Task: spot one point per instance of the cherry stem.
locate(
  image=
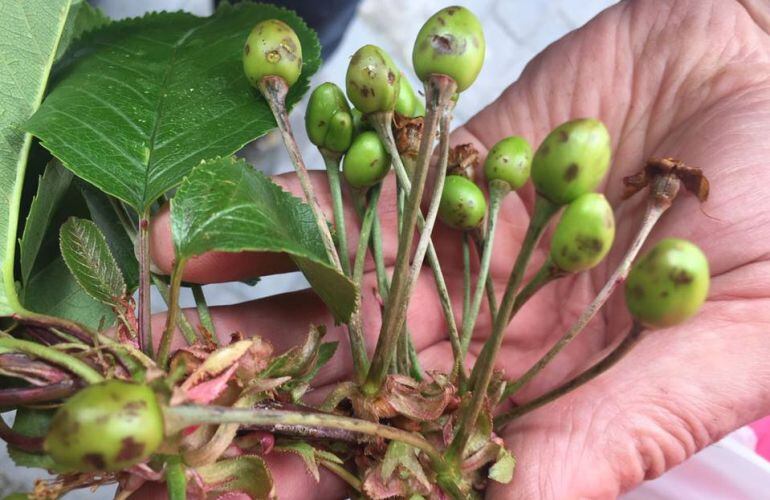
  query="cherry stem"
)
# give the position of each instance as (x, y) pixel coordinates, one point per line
(184, 325)
(497, 191)
(332, 161)
(71, 363)
(14, 396)
(381, 123)
(367, 221)
(29, 444)
(478, 241)
(660, 199)
(121, 212)
(274, 89)
(204, 314)
(145, 309)
(543, 212)
(548, 272)
(466, 252)
(179, 417)
(176, 479)
(439, 90)
(383, 284)
(173, 312)
(342, 473)
(631, 338)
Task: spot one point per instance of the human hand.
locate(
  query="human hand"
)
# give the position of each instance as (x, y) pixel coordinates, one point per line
(683, 79)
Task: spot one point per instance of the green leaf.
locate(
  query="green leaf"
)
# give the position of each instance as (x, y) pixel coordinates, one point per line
(85, 251)
(404, 457)
(225, 205)
(299, 385)
(142, 101)
(53, 185)
(49, 288)
(502, 470)
(54, 291)
(248, 474)
(103, 213)
(82, 18)
(29, 34)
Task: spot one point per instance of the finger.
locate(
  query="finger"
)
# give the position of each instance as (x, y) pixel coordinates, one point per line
(283, 320)
(218, 267)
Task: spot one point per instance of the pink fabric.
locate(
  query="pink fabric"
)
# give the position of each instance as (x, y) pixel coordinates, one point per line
(762, 429)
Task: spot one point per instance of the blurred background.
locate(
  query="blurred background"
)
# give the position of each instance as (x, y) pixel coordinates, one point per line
(516, 30)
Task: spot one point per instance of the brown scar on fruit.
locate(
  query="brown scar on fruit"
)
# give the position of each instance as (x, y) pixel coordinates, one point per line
(95, 460)
(571, 172)
(692, 178)
(680, 277)
(129, 450)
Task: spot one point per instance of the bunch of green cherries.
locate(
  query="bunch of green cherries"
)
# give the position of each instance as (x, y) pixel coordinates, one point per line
(665, 287)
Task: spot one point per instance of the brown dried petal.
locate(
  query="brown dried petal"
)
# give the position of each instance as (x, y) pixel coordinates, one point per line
(463, 160)
(408, 134)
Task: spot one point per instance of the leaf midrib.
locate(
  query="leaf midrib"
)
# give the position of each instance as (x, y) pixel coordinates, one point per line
(161, 106)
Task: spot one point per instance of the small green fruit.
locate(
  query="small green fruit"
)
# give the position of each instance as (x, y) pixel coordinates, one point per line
(572, 160)
(408, 102)
(328, 121)
(463, 205)
(584, 233)
(106, 427)
(668, 285)
(372, 81)
(450, 43)
(272, 49)
(367, 161)
(509, 160)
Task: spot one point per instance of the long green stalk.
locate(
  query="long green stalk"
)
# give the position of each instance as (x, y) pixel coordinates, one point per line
(204, 315)
(173, 312)
(543, 212)
(332, 161)
(145, 308)
(64, 360)
(382, 125)
(497, 191)
(438, 93)
(602, 366)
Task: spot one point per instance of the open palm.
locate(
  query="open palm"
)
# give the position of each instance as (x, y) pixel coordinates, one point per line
(686, 79)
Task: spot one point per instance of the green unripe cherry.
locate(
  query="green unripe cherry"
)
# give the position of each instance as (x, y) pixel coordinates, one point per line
(272, 49)
(408, 103)
(367, 161)
(328, 121)
(373, 80)
(509, 160)
(668, 285)
(463, 204)
(584, 233)
(450, 43)
(572, 160)
(106, 427)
